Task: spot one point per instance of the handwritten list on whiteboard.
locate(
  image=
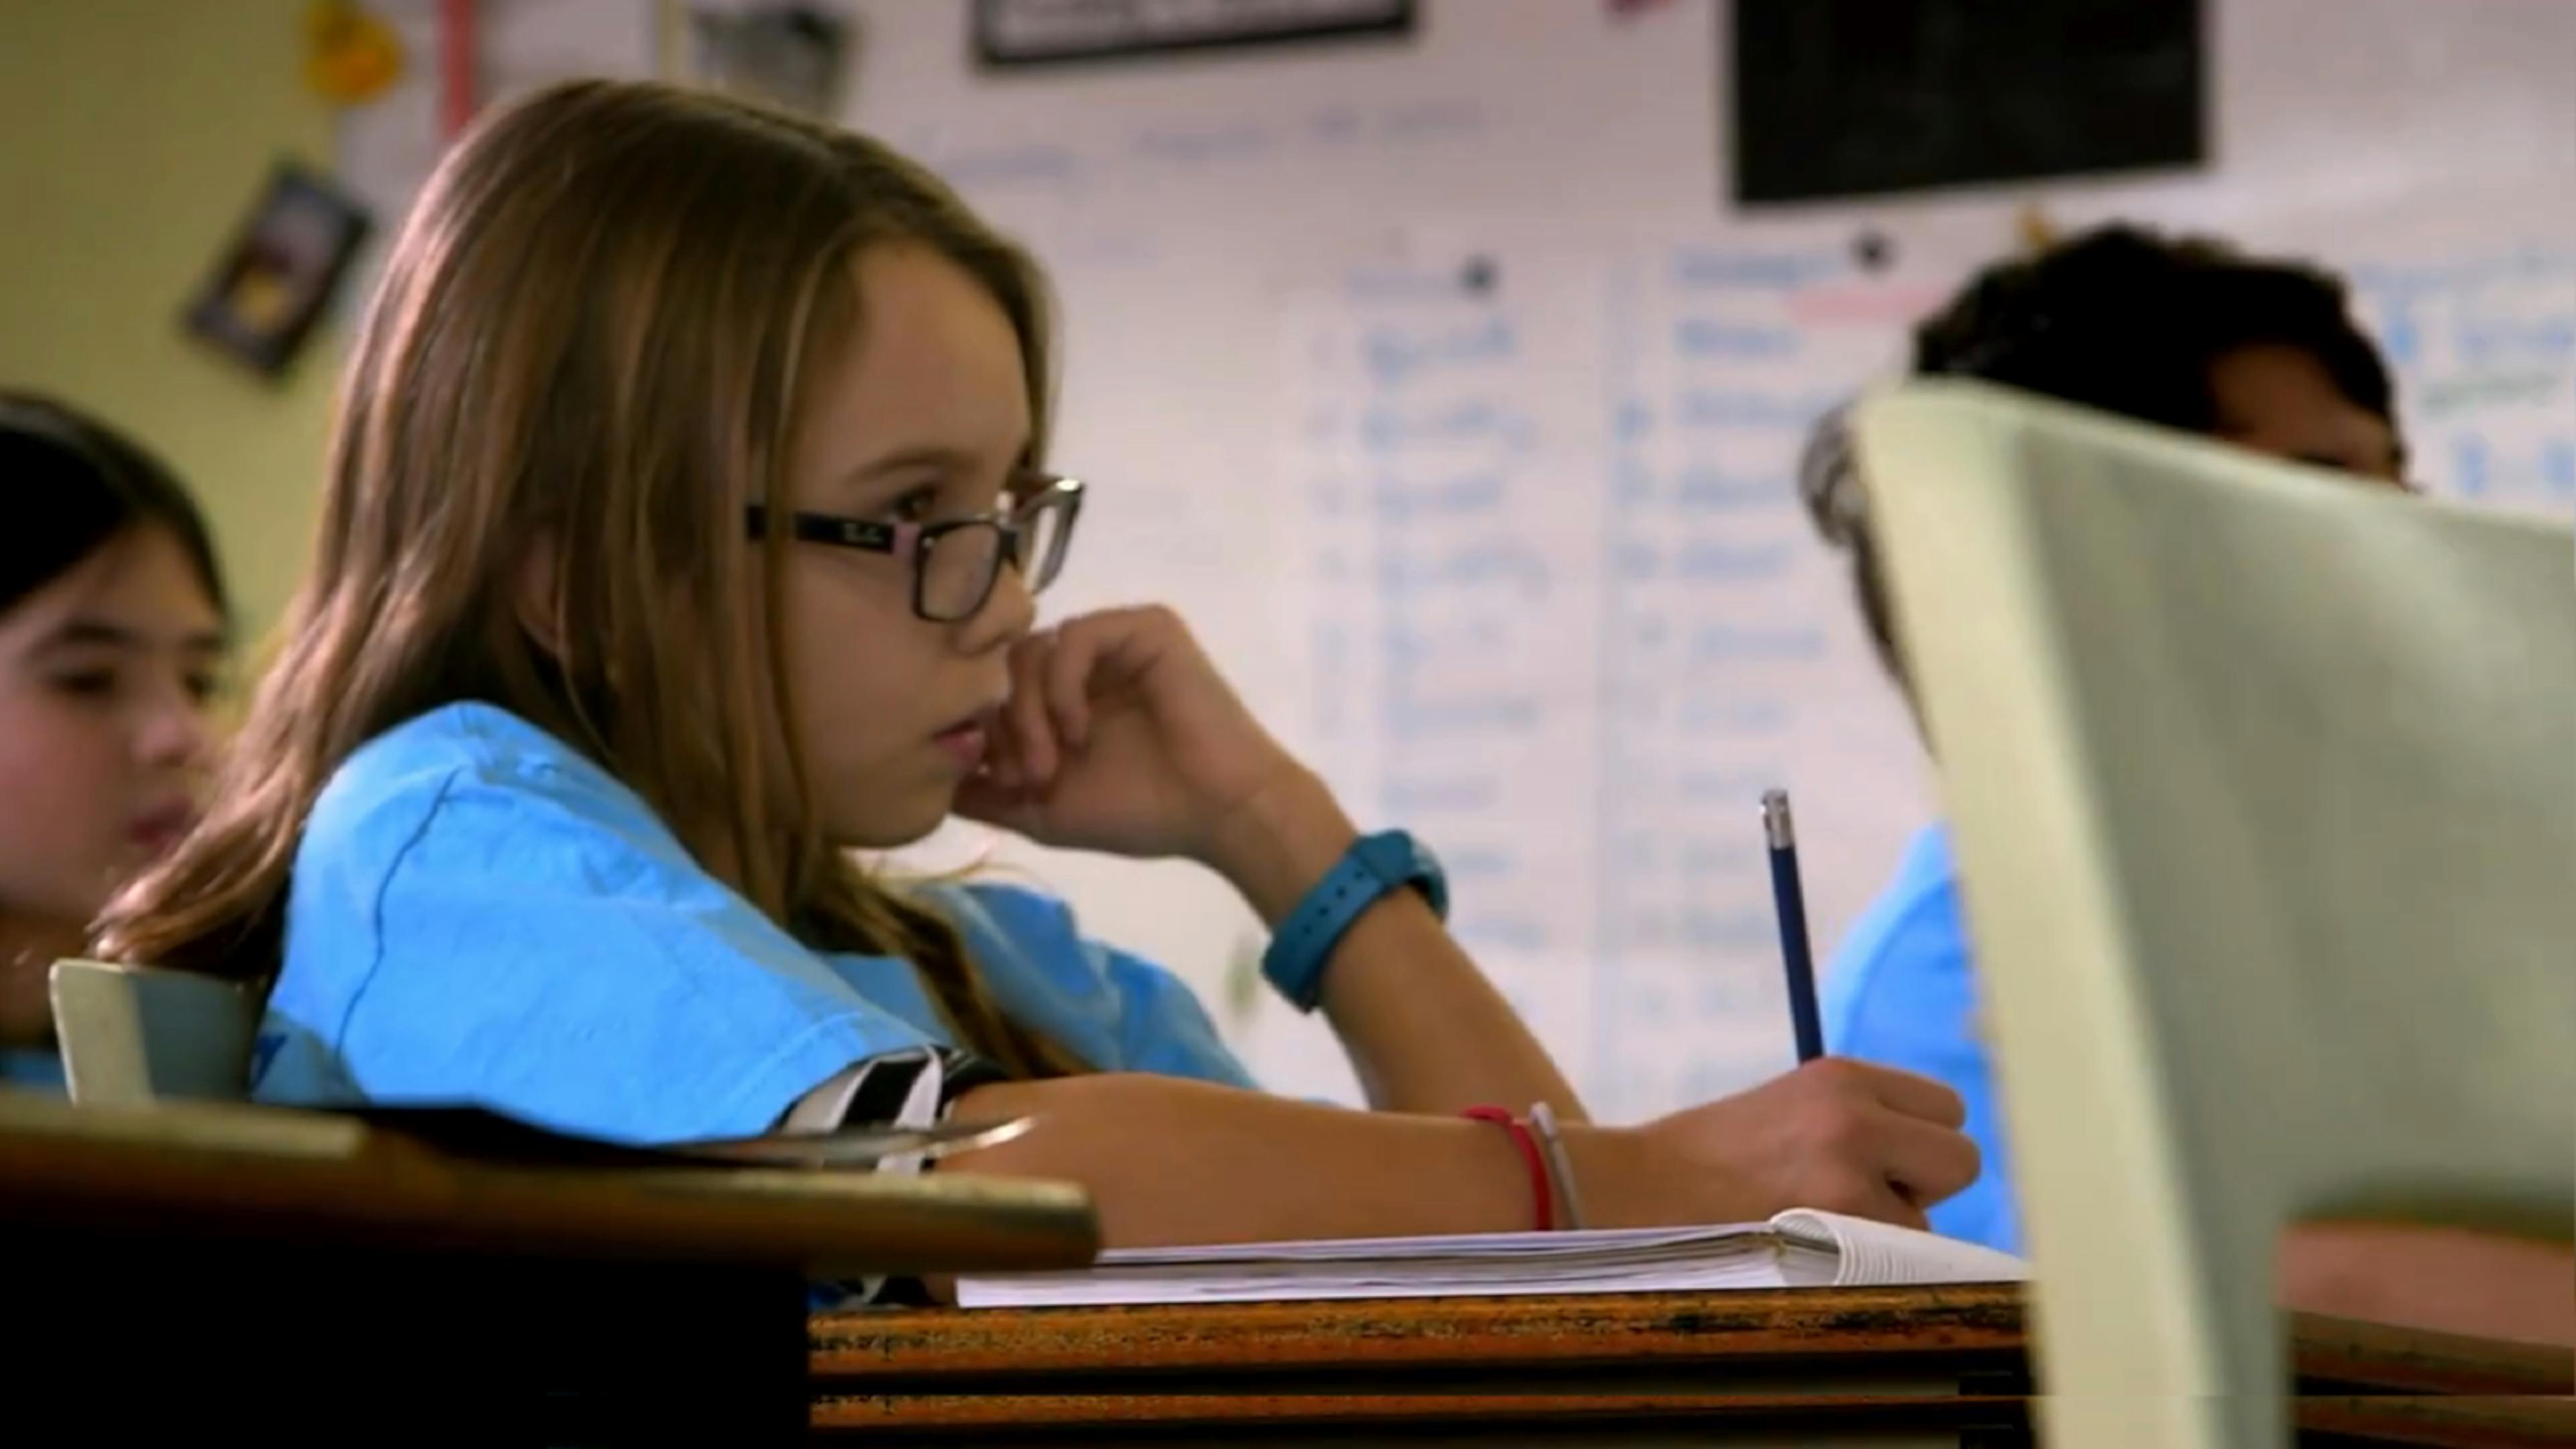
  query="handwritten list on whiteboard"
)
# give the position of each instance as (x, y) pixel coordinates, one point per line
(1450, 559)
(1564, 620)
(1728, 653)
(2484, 350)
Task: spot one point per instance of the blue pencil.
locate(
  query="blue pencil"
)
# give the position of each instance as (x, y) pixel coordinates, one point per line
(1789, 901)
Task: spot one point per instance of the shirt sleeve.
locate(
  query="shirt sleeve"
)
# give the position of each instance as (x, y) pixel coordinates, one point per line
(1914, 1007)
(1116, 1011)
(543, 948)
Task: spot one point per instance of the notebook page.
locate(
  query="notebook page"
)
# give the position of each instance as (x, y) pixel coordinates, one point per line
(1797, 1249)
(1862, 1253)
(1629, 1260)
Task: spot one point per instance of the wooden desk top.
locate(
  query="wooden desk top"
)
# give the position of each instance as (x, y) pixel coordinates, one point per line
(1937, 1355)
(243, 1172)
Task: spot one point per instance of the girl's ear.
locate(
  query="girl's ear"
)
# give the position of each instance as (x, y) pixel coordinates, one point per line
(537, 592)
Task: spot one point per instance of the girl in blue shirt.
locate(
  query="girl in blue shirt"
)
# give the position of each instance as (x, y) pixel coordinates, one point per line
(112, 638)
(2192, 335)
(681, 534)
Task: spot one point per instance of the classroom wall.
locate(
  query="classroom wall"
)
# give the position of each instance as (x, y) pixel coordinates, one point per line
(137, 133)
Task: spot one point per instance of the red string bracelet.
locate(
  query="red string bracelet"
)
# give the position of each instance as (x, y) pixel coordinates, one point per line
(1542, 1187)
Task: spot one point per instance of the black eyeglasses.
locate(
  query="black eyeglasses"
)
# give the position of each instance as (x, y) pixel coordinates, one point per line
(957, 561)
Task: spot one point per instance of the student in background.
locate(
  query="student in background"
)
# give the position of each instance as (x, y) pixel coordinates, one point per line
(2192, 335)
(680, 537)
(112, 640)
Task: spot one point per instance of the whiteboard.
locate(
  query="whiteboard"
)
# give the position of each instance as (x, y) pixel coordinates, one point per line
(1517, 566)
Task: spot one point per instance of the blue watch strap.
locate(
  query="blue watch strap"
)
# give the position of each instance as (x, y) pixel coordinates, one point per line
(1373, 866)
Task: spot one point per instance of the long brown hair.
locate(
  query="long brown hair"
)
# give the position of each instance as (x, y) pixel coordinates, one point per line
(591, 331)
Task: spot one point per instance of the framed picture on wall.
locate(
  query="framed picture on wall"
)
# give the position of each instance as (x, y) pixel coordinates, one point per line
(1015, 33)
(272, 283)
(793, 56)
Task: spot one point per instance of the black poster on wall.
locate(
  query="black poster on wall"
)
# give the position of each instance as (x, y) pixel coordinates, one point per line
(1837, 98)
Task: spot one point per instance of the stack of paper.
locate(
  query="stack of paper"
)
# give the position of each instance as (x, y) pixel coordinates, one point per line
(1799, 1249)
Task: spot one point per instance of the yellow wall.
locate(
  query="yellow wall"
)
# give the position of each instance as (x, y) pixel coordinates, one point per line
(133, 136)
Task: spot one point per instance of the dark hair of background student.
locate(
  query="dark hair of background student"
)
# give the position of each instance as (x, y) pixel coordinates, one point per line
(2184, 332)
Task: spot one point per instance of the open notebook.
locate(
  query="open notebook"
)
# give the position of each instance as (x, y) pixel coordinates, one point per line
(1802, 1248)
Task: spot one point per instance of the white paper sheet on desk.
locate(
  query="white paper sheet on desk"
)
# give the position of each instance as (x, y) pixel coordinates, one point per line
(1803, 1248)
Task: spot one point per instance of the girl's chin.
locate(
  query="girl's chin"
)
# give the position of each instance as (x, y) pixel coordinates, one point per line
(879, 832)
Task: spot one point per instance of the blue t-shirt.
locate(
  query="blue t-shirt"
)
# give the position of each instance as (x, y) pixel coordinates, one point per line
(32, 1069)
(480, 914)
(1902, 993)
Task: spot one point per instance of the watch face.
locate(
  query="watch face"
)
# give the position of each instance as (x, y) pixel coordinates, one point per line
(1398, 859)
(1389, 856)
(1424, 862)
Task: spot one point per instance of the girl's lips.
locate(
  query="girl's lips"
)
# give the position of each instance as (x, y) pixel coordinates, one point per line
(966, 743)
(158, 830)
